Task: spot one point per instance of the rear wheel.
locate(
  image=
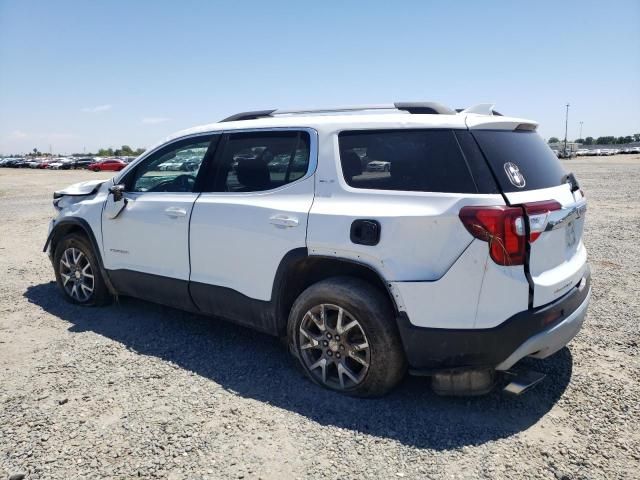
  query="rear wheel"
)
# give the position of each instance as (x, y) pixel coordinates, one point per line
(343, 333)
(77, 272)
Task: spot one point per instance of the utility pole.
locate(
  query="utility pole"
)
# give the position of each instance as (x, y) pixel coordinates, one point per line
(580, 130)
(566, 126)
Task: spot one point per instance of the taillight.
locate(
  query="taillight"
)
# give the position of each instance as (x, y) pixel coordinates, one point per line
(504, 228)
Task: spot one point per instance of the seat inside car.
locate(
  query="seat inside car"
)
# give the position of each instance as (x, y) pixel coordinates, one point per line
(253, 174)
(352, 165)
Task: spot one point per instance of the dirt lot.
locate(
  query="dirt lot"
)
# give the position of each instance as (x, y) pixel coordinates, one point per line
(137, 390)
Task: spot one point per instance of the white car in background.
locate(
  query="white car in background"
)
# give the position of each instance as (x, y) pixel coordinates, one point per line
(61, 163)
(378, 166)
(464, 259)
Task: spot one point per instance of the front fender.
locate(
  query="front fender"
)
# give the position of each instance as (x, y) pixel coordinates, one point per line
(70, 224)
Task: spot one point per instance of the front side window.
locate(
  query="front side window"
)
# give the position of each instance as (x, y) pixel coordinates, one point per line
(173, 168)
(259, 161)
(405, 160)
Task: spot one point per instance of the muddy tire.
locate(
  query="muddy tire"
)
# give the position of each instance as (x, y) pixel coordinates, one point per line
(343, 333)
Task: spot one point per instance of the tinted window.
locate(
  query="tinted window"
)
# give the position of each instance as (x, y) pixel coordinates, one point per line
(173, 168)
(409, 160)
(508, 151)
(477, 164)
(258, 161)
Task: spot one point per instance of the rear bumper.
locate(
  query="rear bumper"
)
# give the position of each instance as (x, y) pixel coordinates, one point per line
(537, 332)
(549, 341)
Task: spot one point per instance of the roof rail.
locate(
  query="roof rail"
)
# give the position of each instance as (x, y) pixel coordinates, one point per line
(431, 108)
(249, 115)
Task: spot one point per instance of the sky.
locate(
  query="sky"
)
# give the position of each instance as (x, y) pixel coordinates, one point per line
(80, 75)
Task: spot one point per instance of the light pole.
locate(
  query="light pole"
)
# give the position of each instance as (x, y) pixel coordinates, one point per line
(566, 126)
(580, 130)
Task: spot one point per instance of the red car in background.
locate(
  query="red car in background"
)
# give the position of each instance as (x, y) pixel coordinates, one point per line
(45, 163)
(109, 164)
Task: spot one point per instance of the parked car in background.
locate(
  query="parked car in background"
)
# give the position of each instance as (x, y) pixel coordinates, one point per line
(61, 164)
(110, 164)
(378, 166)
(82, 162)
(582, 151)
(45, 163)
(34, 163)
(18, 163)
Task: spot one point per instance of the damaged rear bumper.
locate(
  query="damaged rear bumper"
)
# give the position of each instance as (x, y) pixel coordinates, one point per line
(537, 332)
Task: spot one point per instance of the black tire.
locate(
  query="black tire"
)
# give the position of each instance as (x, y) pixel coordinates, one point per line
(100, 293)
(374, 314)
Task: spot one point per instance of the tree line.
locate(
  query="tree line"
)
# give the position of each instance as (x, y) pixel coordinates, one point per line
(610, 140)
(124, 151)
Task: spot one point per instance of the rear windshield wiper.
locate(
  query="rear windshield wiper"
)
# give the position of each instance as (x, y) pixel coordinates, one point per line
(570, 178)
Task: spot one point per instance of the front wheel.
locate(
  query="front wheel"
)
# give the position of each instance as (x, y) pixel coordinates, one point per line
(78, 273)
(342, 331)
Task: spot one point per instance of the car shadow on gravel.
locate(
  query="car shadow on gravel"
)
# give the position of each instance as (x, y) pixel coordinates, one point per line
(258, 366)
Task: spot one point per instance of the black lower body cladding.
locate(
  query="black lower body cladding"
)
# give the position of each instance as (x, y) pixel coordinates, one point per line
(430, 350)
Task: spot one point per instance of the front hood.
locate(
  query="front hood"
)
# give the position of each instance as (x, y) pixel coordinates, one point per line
(78, 189)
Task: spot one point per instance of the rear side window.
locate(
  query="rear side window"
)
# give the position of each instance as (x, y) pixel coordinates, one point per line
(520, 160)
(405, 160)
(258, 161)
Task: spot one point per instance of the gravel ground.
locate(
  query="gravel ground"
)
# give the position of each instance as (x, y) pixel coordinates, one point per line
(138, 390)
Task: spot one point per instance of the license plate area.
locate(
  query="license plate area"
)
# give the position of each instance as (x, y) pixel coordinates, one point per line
(571, 237)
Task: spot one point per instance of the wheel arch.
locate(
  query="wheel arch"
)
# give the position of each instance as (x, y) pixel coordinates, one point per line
(298, 270)
(69, 225)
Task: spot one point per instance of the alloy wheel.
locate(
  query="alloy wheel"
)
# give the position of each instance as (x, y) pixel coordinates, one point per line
(76, 274)
(334, 347)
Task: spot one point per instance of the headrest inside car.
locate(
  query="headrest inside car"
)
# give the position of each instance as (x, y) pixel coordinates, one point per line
(351, 163)
(254, 174)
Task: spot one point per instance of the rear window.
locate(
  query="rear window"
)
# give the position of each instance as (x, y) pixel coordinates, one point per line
(520, 160)
(405, 160)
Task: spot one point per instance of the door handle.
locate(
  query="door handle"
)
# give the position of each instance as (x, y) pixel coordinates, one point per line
(284, 221)
(175, 212)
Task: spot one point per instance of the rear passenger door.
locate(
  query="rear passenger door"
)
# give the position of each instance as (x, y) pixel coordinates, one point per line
(252, 214)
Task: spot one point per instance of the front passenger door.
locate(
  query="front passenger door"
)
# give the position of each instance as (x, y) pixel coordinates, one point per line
(146, 237)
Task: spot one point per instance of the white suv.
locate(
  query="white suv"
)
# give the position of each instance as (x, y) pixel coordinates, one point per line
(374, 238)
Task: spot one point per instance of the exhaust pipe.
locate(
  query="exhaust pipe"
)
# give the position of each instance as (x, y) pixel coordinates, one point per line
(523, 381)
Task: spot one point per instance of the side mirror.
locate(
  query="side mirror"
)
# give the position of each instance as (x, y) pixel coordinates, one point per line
(117, 191)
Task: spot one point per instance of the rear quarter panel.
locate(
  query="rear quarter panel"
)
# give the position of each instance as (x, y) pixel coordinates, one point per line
(421, 234)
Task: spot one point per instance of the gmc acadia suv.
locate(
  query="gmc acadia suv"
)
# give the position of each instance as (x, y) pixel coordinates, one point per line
(375, 239)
